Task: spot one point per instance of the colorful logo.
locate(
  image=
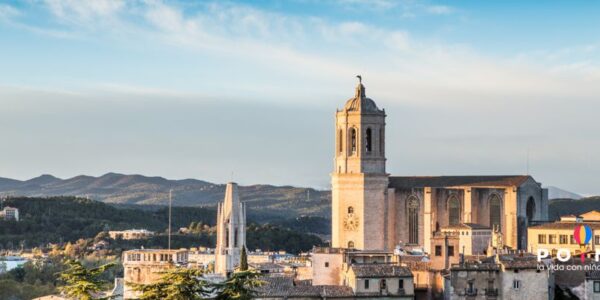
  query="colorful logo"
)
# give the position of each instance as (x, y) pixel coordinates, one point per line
(582, 235)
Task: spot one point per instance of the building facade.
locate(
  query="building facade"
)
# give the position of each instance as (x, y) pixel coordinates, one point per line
(372, 210)
(145, 266)
(560, 234)
(131, 234)
(10, 214)
(231, 231)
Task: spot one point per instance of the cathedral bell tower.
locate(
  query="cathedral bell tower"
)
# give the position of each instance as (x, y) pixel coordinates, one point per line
(359, 181)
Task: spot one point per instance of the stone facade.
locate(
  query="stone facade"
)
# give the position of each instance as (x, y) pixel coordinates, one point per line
(374, 211)
(145, 266)
(231, 231)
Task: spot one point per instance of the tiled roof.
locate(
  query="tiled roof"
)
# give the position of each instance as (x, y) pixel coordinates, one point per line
(518, 262)
(380, 270)
(283, 286)
(564, 225)
(447, 181)
(467, 226)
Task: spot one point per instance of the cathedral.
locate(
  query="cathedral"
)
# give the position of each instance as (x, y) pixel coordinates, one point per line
(372, 210)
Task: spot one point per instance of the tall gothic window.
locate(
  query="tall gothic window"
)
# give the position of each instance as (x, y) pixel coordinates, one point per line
(340, 142)
(530, 211)
(453, 210)
(413, 220)
(495, 211)
(368, 140)
(353, 140)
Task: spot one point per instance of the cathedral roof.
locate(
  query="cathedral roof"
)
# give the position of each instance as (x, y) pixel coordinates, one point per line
(448, 181)
(360, 102)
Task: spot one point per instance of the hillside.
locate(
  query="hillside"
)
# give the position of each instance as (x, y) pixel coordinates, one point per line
(62, 219)
(561, 207)
(286, 201)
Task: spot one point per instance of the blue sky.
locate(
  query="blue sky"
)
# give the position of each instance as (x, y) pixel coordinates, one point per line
(203, 89)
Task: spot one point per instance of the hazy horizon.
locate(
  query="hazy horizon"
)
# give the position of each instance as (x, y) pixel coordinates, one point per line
(201, 90)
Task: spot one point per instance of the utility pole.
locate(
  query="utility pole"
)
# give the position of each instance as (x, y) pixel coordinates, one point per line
(170, 204)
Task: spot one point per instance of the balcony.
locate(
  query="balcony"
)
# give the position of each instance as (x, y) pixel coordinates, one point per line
(491, 292)
(470, 292)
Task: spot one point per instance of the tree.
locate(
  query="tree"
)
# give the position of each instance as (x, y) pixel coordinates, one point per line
(243, 260)
(240, 286)
(82, 283)
(176, 284)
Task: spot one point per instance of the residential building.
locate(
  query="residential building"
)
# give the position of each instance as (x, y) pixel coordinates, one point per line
(560, 234)
(473, 239)
(504, 276)
(10, 214)
(144, 266)
(130, 234)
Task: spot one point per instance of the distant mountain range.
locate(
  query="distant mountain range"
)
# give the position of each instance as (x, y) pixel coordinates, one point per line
(264, 200)
(116, 188)
(557, 193)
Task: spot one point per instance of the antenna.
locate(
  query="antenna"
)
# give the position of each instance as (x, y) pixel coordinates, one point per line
(170, 204)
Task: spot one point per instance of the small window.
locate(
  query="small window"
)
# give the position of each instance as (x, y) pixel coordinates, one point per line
(597, 239)
(350, 210)
(353, 141)
(340, 142)
(369, 139)
(450, 250)
(401, 283)
(438, 250)
(366, 284)
(326, 264)
(572, 240)
(516, 284)
(383, 284)
(541, 238)
(351, 244)
(596, 287)
(563, 239)
(552, 238)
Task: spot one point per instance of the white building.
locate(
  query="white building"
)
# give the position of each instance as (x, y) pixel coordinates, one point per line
(131, 234)
(10, 213)
(231, 231)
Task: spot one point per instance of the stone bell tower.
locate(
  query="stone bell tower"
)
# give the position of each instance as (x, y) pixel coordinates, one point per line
(231, 231)
(359, 181)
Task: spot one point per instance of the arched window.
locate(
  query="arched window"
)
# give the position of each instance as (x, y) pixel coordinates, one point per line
(340, 141)
(495, 211)
(413, 220)
(350, 210)
(453, 210)
(352, 141)
(350, 244)
(530, 211)
(368, 140)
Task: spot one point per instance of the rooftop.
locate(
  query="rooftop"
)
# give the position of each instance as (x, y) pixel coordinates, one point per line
(564, 225)
(380, 270)
(284, 286)
(468, 226)
(448, 181)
